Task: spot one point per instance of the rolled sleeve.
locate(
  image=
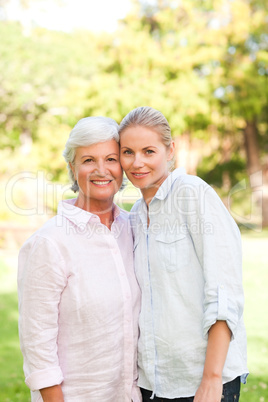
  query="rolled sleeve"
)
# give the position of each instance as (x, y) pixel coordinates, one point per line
(44, 378)
(220, 310)
(41, 281)
(219, 253)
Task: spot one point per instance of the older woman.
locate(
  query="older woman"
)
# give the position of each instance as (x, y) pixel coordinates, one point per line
(78, 296)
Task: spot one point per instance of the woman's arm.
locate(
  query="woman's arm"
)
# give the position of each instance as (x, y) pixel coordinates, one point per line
(210, 389)
(218, 249)
(52, 394)
(41, 281)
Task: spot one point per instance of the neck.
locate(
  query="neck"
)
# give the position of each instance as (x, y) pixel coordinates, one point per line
(146, 198)
(103, 209)
(148, 193)
(106, 218)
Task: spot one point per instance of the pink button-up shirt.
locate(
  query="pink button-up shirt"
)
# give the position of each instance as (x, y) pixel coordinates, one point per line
(79, 304)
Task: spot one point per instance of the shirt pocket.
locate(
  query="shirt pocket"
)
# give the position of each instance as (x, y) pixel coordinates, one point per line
(173, 250)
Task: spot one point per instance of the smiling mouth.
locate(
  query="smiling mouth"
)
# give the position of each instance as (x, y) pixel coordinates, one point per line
(139, 175)
(101, 182)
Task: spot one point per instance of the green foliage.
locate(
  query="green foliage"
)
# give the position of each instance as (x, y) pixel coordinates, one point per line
(12, 387)
(204, 64)
(211, 170)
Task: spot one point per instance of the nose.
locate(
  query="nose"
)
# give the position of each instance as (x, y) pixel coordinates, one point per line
(101, 168)
(138, 161)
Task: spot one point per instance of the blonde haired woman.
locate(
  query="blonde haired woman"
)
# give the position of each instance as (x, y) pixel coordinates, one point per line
(192, 344)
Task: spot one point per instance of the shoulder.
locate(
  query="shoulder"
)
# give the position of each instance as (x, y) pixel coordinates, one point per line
(189, 186)
(122, 214)
(44, 251)
(189, 180)
(135, 211)
(190, 193)
(47, 233)
(136, 207)
(122, 221)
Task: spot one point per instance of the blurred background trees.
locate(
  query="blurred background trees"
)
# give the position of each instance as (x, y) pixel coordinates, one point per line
(203, 63)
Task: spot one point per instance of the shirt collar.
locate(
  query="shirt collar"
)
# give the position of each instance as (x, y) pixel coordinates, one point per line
(162, 192)
(77, 215)
(165, 187)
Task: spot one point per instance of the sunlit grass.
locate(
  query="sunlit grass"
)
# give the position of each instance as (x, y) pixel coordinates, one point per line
(12, 387)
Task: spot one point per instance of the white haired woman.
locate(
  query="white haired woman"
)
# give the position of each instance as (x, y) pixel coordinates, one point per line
(78, 297)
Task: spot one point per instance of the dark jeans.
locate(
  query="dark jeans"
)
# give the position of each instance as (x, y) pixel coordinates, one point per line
(231, 392)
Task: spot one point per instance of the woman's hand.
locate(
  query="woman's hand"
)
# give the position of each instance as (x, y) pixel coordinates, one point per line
(52, 394)
(210, 390)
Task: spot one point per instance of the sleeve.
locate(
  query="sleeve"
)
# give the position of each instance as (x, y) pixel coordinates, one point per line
(136, 393)
(41, 280)
(217, 243)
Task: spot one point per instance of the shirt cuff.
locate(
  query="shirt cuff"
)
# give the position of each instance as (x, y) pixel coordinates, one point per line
(44, 378)
(220, 310)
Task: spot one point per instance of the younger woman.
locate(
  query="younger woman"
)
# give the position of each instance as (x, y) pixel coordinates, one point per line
(192, 344)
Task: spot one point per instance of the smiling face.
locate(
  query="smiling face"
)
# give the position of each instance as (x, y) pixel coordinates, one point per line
(98, 173)
(145, 159)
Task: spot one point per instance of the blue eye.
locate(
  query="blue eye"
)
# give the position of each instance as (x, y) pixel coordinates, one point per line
(127, 152)
(149, 151)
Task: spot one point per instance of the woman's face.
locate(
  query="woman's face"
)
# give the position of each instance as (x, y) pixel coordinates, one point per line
(144, 158)
(98, 173)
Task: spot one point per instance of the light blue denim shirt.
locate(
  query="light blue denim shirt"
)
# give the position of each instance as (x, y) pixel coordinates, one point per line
(189, 267)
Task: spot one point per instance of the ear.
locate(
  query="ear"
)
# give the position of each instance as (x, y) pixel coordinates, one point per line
(171, 150)
(73, 169)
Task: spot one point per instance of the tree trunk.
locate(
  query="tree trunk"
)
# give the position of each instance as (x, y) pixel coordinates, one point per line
(258, 174)
(252, 147)
(265, 197)
(226, 180)
(186, 154)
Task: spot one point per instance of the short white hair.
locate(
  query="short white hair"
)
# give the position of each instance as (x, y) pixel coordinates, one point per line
(88, 131)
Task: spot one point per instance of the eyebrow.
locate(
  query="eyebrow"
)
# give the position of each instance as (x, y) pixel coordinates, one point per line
(91, 156)
(148, 146)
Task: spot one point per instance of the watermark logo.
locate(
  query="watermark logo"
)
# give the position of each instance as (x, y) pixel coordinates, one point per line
(244, 200)
(38, 191)
(251, 194)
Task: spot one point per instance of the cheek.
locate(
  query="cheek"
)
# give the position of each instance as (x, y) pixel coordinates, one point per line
(82, 173)
(120, 175)
(124, 162)
(118, 172)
